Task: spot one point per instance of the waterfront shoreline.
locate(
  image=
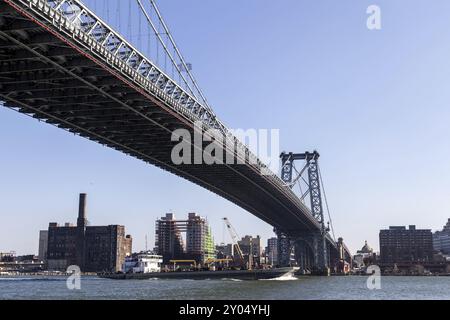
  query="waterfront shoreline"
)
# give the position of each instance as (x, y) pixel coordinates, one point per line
(303, 276)
(299, 288)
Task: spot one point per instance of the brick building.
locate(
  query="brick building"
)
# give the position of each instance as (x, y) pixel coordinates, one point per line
(401, 245)
(92, 248)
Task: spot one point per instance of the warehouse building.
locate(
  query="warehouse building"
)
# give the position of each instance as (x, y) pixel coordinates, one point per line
(92, 248)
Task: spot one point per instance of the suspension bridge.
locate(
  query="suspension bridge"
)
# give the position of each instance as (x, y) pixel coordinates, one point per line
(63, 64)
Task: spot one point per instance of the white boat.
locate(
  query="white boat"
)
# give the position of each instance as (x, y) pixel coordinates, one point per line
(142, 263)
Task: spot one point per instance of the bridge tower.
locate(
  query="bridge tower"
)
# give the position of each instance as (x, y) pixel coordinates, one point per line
(315, 242)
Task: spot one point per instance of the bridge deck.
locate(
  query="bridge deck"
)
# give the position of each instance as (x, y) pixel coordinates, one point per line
(51, 76)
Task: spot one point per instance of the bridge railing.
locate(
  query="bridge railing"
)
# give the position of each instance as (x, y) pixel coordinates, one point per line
(78, 19)
(81, 25)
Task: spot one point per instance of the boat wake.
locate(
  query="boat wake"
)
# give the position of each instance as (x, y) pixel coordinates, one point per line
(231, 279)
(285, 277)
(289, 276)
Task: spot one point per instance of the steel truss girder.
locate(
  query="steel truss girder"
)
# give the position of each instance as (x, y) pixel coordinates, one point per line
(28, 66)
(54, 76)
(83, 25)
(125, 72)
(72, 18)
(71, 85)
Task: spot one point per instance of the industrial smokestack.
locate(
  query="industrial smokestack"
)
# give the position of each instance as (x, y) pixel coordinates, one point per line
(81, 230)
(82, 211)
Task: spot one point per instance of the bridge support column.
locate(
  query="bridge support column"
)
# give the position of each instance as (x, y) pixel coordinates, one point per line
(321, 256)
(285, 246)
(311, 253)
(302, 256)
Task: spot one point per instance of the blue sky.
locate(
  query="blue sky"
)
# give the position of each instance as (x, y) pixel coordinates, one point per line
(374, 103)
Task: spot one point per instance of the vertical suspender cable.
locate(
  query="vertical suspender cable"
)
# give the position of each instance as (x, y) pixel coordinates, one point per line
(129, 27)
(139, 40)
(326, 203)
(180, 56)
(164, 46)
(118, 15)
(106, 8)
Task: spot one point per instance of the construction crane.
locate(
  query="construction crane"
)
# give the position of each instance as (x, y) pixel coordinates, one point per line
(234, 238)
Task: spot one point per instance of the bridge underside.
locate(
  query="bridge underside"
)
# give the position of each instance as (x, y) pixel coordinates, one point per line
(312, 252)
(50, 77)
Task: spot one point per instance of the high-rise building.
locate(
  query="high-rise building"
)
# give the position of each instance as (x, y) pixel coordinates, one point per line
(199, 240)
(92, 248)
(209, 247)
(43, 242)
(224, 251)
(168, 239)
(251, 246)
(441, 239)
(401, 245)
(272, 251)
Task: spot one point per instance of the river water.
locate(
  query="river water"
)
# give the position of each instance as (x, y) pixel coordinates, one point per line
(350, 287)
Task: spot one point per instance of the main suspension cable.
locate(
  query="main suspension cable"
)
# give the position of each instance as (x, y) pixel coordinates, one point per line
(178, 52)
(162, 42)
